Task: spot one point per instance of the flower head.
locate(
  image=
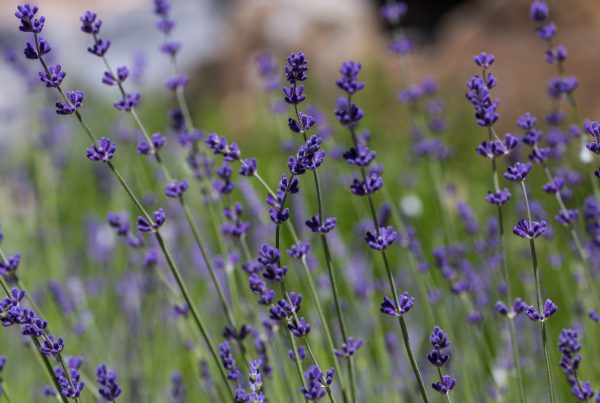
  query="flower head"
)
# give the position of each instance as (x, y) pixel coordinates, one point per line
(102, 151)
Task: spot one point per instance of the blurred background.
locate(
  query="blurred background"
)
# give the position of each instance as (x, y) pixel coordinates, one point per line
(53, 201)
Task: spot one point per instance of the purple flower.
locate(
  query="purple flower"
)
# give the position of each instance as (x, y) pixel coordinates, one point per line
(538, 11)
(518, 172)
(567, 217)
(528, 230)
(497, 148)
(73, 102)
(53, 77)
(300, 328)
(348, 113)
(10, 265)
(296, 68)
(516, 309)
(101, 151)
(159, 219)
(406, 302)
(109, 388)
(100, 47)
(349, 348)
(219, 145)
(547, 31)
(51, 346)
(554, 186)
(158, 141)
(484, 60)
(128, 102)
(301, 354)
(26, 14)
(556, 55)
(299, 251)
(302, 126)
(89, 24)
(479, 96)
(349, 80)
(361, 157)
(174, 83)
(315, 224)
(31, 52)
(228, 362)
(176, 188)
(499, 197)
(549, 309)
(248, 167)
(316, 383)
(383, 238)
(445, 385)
(110, 79)
(370, 185)
(236, 227)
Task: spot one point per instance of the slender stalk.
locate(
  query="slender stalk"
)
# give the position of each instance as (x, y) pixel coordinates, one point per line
(538, 293)
(505, 273)
(188, 215)
(329, 264)
(392, 285)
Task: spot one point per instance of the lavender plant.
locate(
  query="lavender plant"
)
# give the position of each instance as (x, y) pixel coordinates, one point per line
(198, 275)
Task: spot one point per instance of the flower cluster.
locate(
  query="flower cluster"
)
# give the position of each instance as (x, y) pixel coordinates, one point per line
(317, 383)
(479, 92)
(235, 226)
(549, 309)
(518, 307)
(437, 357)
(405, 303)
(109, 388)
(51, 76)
(255, 386)
(146, 225)
(10, 264)
(569, 347)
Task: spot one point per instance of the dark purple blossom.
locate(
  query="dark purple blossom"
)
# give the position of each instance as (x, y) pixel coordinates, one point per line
(445, 385)
(128, 102)
(315, 224)
(219, 145)
(300, 328)
(158, 141)
(109, 388)
(348, 113)
(349, 348)
(499, 197)
(405, 303)
(176, 188)
(228, 362)
(381, 239)
(159, 219)
(360, 156)
(26, 14)
(370, 185)
(529, 230)
(101, 151)
(73, 102)
(316, 383)
(549, 309)
(517, 172)
(100, 47)
(89, 23)
(349, 79)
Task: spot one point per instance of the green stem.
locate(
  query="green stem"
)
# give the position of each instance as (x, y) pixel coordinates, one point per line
(538, 293)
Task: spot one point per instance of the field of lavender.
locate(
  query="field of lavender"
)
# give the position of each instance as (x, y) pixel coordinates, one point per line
(381, 247)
